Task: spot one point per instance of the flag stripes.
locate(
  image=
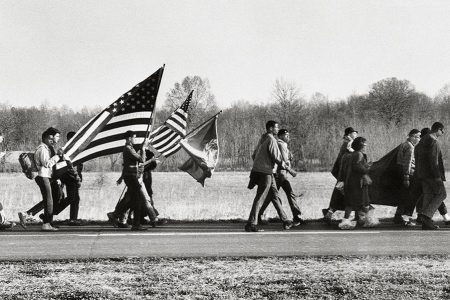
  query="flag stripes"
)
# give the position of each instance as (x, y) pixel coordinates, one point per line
(165, 139)
(103, 134)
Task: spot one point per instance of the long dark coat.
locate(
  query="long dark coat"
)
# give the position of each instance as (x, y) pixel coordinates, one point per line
(355, 190)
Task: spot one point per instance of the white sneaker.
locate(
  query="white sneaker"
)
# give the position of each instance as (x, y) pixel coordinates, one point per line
(371, 220)
(346, 224)
(48, 227)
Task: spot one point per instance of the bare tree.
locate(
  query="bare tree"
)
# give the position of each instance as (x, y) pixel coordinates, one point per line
(203, 101)
(288, 102)
(392, 99)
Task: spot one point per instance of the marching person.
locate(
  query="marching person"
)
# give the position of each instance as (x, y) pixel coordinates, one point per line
(442, 208)
(45, 160)
(131, 160)
(72, 179)
(355, 175)
(4, 223)
(337, 198)
(431, 173)
(283, 181)
(118, 216)
(410, 189)
(266, 158)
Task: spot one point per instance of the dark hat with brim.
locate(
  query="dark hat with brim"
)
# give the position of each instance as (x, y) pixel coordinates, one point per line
(349, 130)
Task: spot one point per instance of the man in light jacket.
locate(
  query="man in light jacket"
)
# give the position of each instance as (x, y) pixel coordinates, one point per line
(266, 158)
(44, 163)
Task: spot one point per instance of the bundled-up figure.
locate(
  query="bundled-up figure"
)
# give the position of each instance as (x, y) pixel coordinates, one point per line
(431, 173)
(337, 199)
(354, 175)
(4, 223)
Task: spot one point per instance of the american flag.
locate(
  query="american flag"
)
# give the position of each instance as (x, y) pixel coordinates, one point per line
(166, 138)
(103, 134)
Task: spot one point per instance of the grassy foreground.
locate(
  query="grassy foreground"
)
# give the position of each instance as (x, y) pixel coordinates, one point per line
(402, 277)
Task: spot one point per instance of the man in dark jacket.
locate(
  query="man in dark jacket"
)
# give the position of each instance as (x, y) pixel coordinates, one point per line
(131, 160)
(430, 171)
(337, 198)
(72, 180)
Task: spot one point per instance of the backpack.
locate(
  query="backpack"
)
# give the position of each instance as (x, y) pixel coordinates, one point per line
(29, 168)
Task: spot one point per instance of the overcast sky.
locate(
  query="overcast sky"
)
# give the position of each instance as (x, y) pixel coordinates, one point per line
(87, 53)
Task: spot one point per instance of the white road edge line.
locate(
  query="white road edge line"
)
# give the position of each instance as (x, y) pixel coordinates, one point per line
(190, 233)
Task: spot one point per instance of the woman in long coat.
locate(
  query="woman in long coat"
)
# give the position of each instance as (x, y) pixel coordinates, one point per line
(354, 172)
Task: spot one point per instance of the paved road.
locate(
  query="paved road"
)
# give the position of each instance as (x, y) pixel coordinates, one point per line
(217, 239)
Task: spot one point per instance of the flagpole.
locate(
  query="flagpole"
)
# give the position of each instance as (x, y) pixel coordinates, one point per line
(150, 124)
(204, 122)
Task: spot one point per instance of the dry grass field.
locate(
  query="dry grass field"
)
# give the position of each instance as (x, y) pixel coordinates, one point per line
(177, 195)
(405, 277)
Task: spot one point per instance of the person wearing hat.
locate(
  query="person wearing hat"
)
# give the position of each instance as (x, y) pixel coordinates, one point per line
(337, 198)
(442, 208)
(431, 173)
(410, 190)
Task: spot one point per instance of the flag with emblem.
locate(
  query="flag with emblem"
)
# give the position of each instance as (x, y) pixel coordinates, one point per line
(103, 134)
(166, 138)
(203, 148)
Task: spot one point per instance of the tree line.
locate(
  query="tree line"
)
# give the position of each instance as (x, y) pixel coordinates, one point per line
(384, 116)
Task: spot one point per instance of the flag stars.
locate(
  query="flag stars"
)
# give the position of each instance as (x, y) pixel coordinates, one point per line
(121, 101)
(114, 110)
(129, 93)
(138, 102)
(143, 105)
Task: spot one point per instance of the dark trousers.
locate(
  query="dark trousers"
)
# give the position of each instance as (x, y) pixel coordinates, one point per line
(433, 196)
(267, 189)
(125, 204)
(137, 198)
(72, 199)
(46, 192)
(337, 201)
(287, 188)
(410, 197)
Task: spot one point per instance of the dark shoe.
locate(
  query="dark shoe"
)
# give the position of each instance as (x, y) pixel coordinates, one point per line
(287, 225)
(252, 228)
(138, 228)
(112, 219)
(398, 219)
(327, 214)
(298, 221)
(419, 219)
(123, 225)
(75, 223)
(428, 224)
(161, 222)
